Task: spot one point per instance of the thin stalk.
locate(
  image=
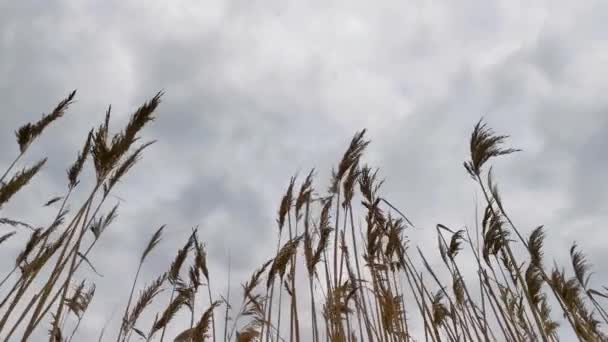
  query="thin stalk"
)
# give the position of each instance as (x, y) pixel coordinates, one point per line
(10, 167)
(280, 305)
(269, 301)
(356, 257)
(315, 327)
(533, 307)
(336, 234)
(294, 325)
(212, 314)
(60, 265)
(162, 334)
(126, 313)
(227, 299)
(55, 274)
(25, 284)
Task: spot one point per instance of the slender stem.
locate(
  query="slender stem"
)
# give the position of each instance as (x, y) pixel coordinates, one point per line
(8, 275)
(358, 268)
(63, 258)
(212, 314)
(10, 167)
(280, 305)
(126, 313)
(533, 307)
(162, 334)
(336, 234)
(227, 299)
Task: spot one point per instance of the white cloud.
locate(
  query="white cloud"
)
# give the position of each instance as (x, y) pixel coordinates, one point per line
(257, 91)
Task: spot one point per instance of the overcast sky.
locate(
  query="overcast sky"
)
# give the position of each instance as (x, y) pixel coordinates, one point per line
(256, 91)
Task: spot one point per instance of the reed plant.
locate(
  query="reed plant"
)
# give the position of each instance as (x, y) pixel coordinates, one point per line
(343, 270)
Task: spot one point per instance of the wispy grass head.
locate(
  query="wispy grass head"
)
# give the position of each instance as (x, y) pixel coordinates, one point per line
(76, 168)
(285, 255)
(580, 265)
(18, 181)
(286, 203)
(305, 193)
(351, 156)
(156, 237)
(535, 246)
(106, 154)
(27, 133)
(484, 145)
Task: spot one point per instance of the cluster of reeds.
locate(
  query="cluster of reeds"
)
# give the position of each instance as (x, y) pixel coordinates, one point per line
(331, 278)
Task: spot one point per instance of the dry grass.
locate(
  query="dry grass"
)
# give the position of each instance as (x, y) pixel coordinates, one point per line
(343, 281)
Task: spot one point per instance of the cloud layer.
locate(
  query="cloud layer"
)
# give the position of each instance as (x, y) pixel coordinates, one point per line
(257, 91)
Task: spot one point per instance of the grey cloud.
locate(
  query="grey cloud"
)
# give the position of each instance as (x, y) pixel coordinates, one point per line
(255, 94)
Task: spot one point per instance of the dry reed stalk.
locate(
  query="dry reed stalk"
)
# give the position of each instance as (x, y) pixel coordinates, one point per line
(515, 303)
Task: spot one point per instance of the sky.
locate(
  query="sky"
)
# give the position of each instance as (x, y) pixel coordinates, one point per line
(257, 91)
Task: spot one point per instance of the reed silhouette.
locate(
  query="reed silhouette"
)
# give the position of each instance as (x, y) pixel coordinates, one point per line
(329, 279)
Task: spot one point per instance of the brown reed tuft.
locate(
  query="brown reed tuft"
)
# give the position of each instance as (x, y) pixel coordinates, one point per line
(27, 133)
(507, 297)
(485, 145)
(282, 259)
(76, 168)
(351, 157)
(145, 299)
(18, 181)
(286, 203)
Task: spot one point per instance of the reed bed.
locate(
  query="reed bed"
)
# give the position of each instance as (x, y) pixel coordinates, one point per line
(343, 268)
